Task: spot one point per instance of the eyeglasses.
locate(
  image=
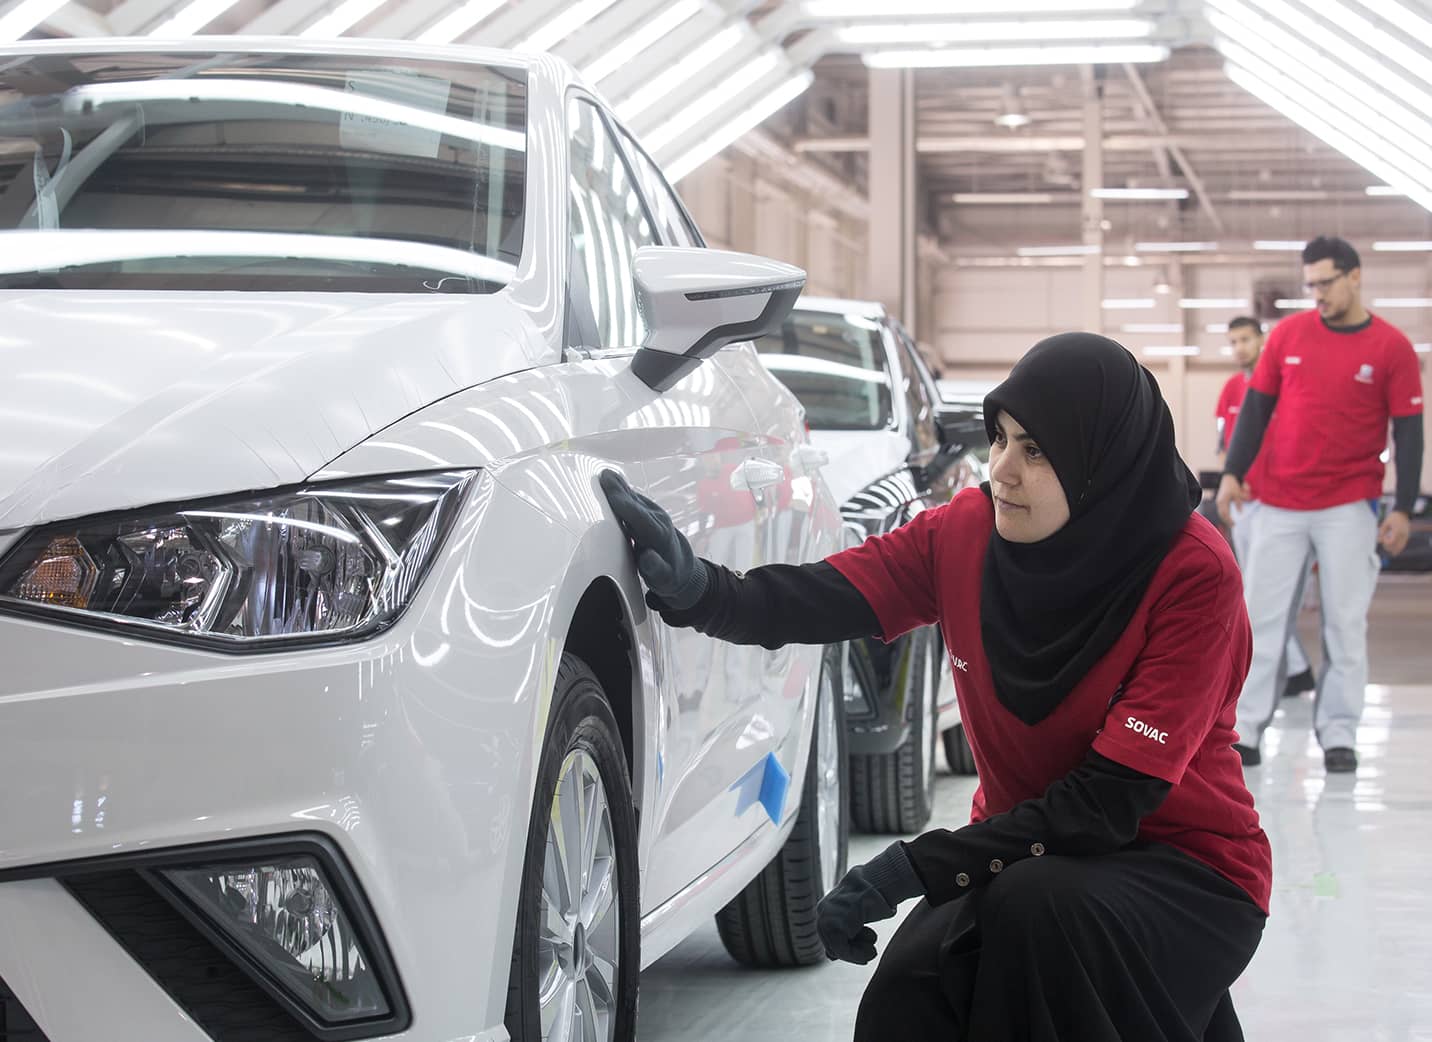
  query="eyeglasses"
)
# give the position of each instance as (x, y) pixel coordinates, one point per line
(1321, 285)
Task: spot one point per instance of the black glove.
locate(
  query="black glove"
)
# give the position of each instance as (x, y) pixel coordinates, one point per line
(664, 559)
(868, 893)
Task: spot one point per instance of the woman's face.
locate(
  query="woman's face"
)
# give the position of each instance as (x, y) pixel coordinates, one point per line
(1029, 502)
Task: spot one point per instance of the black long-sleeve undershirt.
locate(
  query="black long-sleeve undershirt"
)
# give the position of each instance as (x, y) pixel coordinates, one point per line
(1094, 809)
(1257, 411)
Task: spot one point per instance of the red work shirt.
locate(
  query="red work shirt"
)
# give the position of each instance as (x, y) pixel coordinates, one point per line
(1160, 701)
(1230, 403)
(1336, 393)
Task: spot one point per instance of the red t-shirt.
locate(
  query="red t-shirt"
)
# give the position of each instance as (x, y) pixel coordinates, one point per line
(1230, 400)
(1230, 403)
(1160, 701)
(1336, 393)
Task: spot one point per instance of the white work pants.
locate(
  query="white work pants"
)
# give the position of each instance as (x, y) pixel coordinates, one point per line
(1242, 533)
(1344, 539)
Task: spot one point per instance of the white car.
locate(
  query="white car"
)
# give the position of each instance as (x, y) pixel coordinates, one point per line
(331, 706)
(891, 450)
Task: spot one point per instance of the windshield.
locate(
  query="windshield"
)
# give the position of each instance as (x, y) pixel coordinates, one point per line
(260, 172)
(836, 365)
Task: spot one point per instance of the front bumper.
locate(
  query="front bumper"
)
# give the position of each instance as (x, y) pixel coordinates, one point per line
(405, 753)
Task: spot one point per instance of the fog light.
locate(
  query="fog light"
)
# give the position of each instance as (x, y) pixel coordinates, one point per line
(285, 917)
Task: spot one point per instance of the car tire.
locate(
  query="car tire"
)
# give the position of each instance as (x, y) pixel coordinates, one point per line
(957, 751)
(894, 793)
(772, 922)
(582, 778)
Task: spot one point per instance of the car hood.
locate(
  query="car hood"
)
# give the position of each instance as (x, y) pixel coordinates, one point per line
(117, 400)
(859, 458)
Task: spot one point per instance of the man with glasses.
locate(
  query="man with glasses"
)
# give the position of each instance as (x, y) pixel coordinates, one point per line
(1245, 339)
(1337, 375)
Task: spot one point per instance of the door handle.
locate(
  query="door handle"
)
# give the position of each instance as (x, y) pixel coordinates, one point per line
(811, 458)
(756, 474)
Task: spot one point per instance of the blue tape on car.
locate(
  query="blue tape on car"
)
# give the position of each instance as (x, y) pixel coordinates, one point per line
(775, 783)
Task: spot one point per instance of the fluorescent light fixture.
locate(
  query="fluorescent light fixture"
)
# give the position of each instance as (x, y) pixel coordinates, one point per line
(665, 83)
(1077, 250)
(1139, 193)
(1335, 102)
(869, 33)
(296, 96)
(342, 18)
(1281, 245)
(844, 9)
(717, 95)
(1402, 302)
(1277, 195)
(457, 22)
(25, 16)
(1293, 303)
(1278, 46)
(1175, 247)
(1216, 328)
(192, 18)
(634, 44)
(1328, 132)
(995, 57)
(1422, 349)
(778, 98)
(1128, 303)
(564, 25)
(1377, 191)
(1009, 198)
(1209, 303)
(1180, 351)
(1402, 247)
(1378, 121)
(1152, 327)
(1226, 351)
(56, 248)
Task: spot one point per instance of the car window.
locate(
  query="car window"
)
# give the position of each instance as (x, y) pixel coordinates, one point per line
(920, 407)
(675, 224)
(836, 365)
(259, 171)
(608, 224)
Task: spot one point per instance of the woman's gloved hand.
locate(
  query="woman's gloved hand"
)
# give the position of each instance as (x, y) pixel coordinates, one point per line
(867, 894)
(664, 559)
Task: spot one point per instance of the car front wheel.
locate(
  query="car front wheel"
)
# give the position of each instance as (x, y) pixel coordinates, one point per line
(575, 956)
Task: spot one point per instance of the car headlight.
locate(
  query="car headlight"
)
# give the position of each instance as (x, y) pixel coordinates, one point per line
(316, 563)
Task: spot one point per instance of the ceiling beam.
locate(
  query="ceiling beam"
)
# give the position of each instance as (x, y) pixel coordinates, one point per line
(1169, 150)
(75, 19)
(283, 18)
(132, 17)
(1053, 143)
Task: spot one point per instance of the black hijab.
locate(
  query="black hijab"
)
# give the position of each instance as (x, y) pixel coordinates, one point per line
(1050, 610)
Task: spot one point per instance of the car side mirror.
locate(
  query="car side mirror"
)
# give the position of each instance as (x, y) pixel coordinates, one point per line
(694, 302)
(960, 428)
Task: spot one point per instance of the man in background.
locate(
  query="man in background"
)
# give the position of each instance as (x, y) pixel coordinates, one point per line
(1337, 375)
(1245, 335)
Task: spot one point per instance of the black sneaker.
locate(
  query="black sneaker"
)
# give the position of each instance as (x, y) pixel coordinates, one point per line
(1250, 755)
(1340, 760)
(1298, 683)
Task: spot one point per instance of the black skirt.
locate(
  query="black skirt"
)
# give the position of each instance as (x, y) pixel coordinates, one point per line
(1137, 946)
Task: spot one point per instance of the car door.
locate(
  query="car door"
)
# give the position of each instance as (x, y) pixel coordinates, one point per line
(780, 478)
(691, 442)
